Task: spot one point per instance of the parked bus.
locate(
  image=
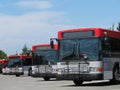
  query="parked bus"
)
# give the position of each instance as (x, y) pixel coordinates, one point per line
(87, 54)
(19, 65)
(2, 65)
(44, 61)
(6, 69)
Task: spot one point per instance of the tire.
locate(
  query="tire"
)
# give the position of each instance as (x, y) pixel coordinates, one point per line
(116, 76)
(0, 70)
(78, 82)
(46, 78)
(17, 75)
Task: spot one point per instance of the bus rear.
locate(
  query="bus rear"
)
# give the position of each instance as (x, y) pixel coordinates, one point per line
(44, 61)
(88, 54)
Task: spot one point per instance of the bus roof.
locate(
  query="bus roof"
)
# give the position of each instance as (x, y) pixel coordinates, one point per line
(97, 32)
(48, 47)
(19, 56)
(2, 61)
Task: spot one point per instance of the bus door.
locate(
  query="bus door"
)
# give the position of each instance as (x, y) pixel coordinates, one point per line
(27, 65)
(107, 60)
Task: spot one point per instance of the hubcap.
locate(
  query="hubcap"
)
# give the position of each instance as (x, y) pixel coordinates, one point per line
(117, 75)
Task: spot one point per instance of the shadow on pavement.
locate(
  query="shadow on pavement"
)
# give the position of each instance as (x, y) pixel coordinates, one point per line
(48, 80)
(95, 84)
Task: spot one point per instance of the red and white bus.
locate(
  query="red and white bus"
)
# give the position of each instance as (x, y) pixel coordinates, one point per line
(2, 65)
(18, 65)
(87, 54)
(44, 61)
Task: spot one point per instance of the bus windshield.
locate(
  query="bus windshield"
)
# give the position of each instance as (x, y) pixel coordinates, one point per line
(79, 49)
(15, 62)
(45, 57)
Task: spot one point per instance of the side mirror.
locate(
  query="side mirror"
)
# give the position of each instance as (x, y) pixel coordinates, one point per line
(106, 46)
(51, 43)
(106, 40)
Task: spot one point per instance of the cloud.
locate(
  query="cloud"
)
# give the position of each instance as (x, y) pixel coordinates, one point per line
(31, 28)
(34, 4)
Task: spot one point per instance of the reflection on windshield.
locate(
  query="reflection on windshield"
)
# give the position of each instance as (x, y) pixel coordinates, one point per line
(45, 57)
(82, 49)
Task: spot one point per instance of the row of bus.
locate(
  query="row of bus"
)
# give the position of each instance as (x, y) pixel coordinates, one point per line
(43, 58)
(82, 54)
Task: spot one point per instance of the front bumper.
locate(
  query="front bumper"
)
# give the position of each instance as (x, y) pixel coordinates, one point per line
(84, 77)
(35, 75)
(18, 73)
(51, 75)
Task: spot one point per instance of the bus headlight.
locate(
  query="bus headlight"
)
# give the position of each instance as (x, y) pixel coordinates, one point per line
(92, 69)
(96, 69)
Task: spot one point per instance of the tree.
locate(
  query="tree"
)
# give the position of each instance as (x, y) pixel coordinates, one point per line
(3, 55)
(118, 28)
(26, 50)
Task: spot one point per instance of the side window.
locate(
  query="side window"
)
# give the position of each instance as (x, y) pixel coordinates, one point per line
(106, 47)
(27, 62)
(115, 47)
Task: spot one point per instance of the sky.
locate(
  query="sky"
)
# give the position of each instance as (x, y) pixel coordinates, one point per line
(32, 22)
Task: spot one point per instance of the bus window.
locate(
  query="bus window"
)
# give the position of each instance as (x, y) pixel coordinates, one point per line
(27, 61)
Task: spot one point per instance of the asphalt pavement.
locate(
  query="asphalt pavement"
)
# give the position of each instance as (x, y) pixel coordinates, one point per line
(11, 82)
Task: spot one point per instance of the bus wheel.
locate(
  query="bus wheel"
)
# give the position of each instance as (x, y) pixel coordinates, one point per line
(17, 75)
(46, 78)
(116, 75)
(78, 82)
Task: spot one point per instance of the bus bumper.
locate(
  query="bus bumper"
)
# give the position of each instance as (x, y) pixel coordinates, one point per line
(35, 75)
(18, 73)
(51, 75)
(84, 77)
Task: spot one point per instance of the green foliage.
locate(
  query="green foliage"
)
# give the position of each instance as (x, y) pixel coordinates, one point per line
(3, 55)
(26, 50)
(118, 27)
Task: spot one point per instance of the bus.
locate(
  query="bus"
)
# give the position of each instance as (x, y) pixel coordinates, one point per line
(44, 61)
(87, 54)
(19, 65)
(2, 65)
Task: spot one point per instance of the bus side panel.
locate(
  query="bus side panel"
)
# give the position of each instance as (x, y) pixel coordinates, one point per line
(107, 65)
(26, 69)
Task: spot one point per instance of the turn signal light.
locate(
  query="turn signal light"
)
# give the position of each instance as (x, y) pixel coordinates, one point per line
(100, 69)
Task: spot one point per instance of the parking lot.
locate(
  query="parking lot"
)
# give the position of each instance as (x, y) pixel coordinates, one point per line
(8, 82)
